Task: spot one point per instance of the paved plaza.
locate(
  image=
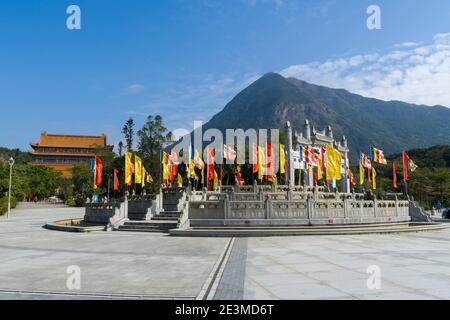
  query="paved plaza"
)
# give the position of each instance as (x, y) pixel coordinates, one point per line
(34, 264)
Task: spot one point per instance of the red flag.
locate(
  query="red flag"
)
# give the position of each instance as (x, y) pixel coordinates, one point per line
(270, 161)
(369, 174)
(173, 165)
(255, 158)
(210, 162)
(405, 166)
(394, 168)
(98, 171)
(116, 180)
(306, 154)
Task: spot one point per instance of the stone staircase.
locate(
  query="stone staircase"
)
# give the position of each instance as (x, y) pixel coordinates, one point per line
(168, 218)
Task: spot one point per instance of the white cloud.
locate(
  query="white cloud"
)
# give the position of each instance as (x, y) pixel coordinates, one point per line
(413, 72)
(135, 88)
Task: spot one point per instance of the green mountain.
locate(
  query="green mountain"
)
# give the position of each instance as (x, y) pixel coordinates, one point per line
(433, 157)
(390, 125)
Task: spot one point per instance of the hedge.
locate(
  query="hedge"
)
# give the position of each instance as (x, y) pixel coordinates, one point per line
(4, 204)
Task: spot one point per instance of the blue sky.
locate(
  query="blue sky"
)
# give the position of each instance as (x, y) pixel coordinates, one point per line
(184, 59)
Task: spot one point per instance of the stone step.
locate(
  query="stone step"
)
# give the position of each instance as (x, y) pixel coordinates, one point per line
(135, 229)
(152, 223)
(164, 218)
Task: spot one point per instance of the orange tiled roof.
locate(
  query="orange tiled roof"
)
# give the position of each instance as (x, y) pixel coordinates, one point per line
(70, 141)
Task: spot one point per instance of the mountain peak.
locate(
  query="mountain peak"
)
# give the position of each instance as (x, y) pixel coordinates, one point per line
(390, 125)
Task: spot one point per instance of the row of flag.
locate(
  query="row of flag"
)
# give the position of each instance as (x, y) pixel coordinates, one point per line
(136, 168)
(378, 156)
(327, 161)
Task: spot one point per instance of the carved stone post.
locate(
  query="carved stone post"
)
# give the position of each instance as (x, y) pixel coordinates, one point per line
(290, 160)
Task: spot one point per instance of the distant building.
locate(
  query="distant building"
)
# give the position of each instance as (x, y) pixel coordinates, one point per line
(63, 152)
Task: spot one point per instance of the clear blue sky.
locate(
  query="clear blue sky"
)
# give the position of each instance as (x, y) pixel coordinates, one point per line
(183, 59)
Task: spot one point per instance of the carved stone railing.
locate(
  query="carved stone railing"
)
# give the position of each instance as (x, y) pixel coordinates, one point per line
(292, 207)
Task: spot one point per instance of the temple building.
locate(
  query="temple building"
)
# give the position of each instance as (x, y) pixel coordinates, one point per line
(63, 152)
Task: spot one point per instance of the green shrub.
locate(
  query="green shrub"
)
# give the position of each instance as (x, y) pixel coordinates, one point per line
(4, 204)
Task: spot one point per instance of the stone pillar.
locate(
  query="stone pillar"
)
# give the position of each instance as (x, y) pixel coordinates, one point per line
(345, 180)
(290, 160)
(307, 130)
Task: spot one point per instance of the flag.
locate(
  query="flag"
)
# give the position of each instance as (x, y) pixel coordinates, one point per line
(229, 153)
(378, 156)
(93, 166)
(314, 156)
(405, 166)
(351, 177)
(275, 180)
(116, 180)
(149, 179)
(323, 154)
(361, 174)
(138, 169)
(394, 174)
(364, 160)
(239, 178)
(210, 163)
(180, 181)
(216, 180)
(369, 174)
(198, 161)
(282, 159)
(334, 161)
(270, 161)
(166, 170)
(412, 166)
(320, 169)
(98, 171)
(261, 162)
(144, 176)
(192, 168)
(173, 165)
(255, 158)
(374, 181)
(129, 168)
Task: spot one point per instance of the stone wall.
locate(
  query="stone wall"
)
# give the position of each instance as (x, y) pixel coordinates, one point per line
(291, 208)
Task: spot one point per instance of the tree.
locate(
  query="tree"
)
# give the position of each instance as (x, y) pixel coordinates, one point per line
(152, 136)
(83, 181)
(120, 149)
(128, 131)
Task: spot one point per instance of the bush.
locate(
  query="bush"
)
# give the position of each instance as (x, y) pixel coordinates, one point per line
(4, 204)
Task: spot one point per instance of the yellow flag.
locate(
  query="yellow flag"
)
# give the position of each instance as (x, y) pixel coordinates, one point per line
(144, 176)
(374, 181)
(282, 159)
(261, 162)
(180, 181)
(319, 169)
(216, 180)
(138, 167)
(334, 161)
(128, 168)
(275, 180)
(192, 169)
(165, 163)
(361, 174)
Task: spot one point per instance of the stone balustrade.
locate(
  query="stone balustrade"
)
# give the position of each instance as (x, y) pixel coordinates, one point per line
(311, 207)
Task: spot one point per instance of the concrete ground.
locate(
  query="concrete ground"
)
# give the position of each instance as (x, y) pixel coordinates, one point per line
(34, 264)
